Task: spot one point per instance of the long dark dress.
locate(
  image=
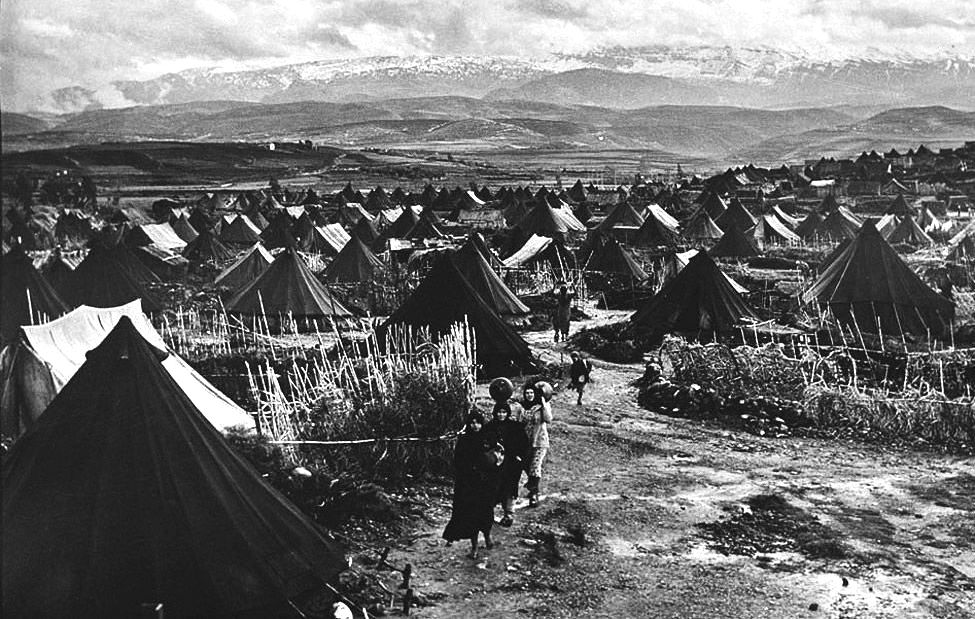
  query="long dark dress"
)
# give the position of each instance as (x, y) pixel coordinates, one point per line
(511, 432)
(475, 487)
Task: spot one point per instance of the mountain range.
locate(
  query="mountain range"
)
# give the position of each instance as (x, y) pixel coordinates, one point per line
(616, 78)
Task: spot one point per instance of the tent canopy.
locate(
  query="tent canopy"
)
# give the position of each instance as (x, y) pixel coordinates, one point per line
(124, 493)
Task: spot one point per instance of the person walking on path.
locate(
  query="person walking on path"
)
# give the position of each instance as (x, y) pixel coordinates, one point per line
(477, 462)
(538, 416)
(580, 372)
(507, 423)
(563, 312)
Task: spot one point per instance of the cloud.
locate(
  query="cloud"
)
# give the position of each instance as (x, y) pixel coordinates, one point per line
(49, 44)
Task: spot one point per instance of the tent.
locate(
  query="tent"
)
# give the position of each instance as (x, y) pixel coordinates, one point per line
(713, 205)
(45, 357)
(365, 231)
(240, 231)
(736, 215)
(425, 228)
(541, 249)
(445, 298)
(808, 227)
(486, 282)
(280, 231)
(328, 240)
(622, 215)
(355, 263)
(784, 217)
(124, 493)
(183, 228)
(26, 298)
(608, 256)
(246, 269)
(681, 259)
(868, 286)
(772, 230)
(206, 247)
(399, 228)
(655, 232)
(477, 240)
(702, 228)
(287, 286)
(544, 220)
(734, 244)
(699, 299)
(908, 232)
(108, 278)
(162, 236)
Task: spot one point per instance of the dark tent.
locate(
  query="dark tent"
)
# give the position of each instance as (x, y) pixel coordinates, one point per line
(425, 228)
(398, 196)
(869, 287)
(183, 228)
(287, 286)
(351, 195)
(828, 205)
(207, 248)
(734, 244)
(808, 227)
(304, 228)
(578, 193)
(200, 219)
(26, 298)
(279, 232)
(74, 227)
(699, 299)
(908, 232)
(544, 220)
(241, 231)
(443, 299)
(736, 215)
(713, 205)
(377, 200)
(109, 278)
(246, 269)
(355, 263)
(57, 268)
(124, 494)
(487, 283)
(655, 233)
(428, 196)
(365, 231)
(608, 256)
(701, 227)
(403, 224)
(477, 240)
(900, 207)
(622, 215)
(582, 212)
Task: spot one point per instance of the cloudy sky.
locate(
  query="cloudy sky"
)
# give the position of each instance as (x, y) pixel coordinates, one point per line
(49, 44)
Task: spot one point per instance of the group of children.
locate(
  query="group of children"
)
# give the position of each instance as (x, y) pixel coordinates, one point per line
(492, 455)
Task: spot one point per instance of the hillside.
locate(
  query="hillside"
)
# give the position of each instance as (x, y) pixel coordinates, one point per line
(901, 128)
(19, 124)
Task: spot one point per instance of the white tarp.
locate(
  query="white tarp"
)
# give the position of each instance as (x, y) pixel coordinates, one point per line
(663, 216)
(532, 248)
(48, 355)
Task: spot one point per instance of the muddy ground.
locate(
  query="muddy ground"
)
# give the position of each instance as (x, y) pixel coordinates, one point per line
(644, 515)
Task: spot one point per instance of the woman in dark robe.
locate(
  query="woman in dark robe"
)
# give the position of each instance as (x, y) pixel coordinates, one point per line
(477, 459)
(563, 311)
(508, 425)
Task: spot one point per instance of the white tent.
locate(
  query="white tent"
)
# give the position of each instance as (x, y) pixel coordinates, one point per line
(43, 360)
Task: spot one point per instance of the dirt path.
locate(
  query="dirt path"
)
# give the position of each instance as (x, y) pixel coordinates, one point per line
(618, 535)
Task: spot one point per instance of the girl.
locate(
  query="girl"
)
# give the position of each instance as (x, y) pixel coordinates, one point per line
(477, 458)
(539, 415)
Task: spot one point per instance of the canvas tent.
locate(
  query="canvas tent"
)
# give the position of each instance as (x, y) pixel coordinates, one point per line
(240, 231)
(124, 493)
(355, 263)
(46, 356)
(538, 250)
(698, 300)
(287, 287)
(246, 269)
(734, 244)
(486, 282)
(702, 228)
(867, 286)
(909, 233)
(108, 278)
(444, 298)
(26, 298)
(206, 247)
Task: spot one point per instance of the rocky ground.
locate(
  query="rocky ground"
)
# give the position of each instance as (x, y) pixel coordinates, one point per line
(650, 516)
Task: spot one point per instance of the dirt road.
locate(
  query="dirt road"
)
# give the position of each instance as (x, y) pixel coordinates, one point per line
(837, 530)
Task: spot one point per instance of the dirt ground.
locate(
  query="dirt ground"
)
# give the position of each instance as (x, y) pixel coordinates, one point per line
(791, 527)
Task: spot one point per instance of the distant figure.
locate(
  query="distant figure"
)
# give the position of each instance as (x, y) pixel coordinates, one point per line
(538, 416)
(562, 316)
(477, 461)
(947, 288)
(508, 425)
(579, 373)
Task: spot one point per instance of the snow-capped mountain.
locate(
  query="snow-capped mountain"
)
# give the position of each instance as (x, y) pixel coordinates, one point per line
(755, 77)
